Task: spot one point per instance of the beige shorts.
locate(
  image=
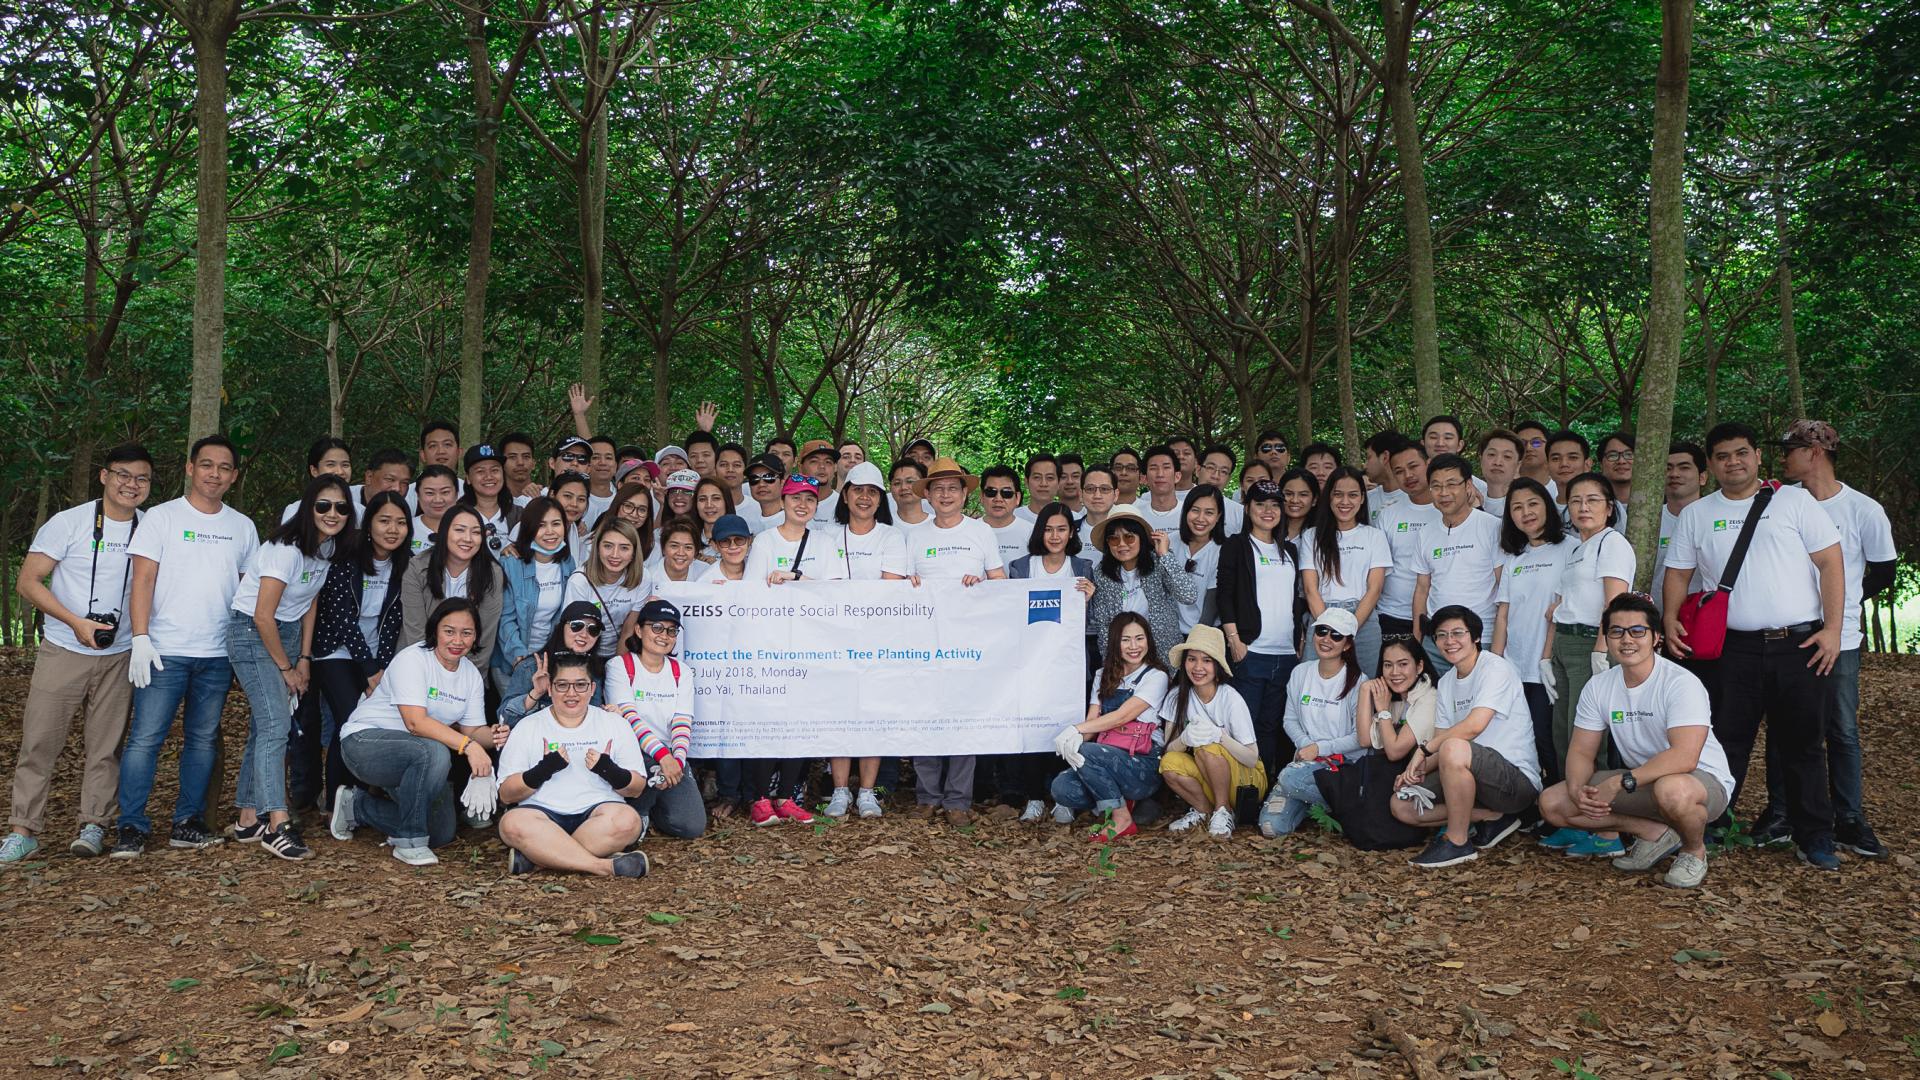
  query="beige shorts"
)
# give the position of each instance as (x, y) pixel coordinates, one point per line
(1642, 804)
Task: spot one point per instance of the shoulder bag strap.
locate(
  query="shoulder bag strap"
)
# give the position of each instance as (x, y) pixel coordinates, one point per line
(1740, 546)
(801, 551)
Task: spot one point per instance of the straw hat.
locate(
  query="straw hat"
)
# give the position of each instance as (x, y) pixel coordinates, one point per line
(1122, 512)
(944, 468)
(1206, 640)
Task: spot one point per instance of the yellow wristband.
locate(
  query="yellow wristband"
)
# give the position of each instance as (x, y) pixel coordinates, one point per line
(465, 741)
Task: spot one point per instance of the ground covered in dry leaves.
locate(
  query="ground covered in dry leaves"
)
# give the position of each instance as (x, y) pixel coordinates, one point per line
(891, 949)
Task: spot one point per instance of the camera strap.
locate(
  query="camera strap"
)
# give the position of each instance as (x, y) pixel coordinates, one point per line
(99, 535)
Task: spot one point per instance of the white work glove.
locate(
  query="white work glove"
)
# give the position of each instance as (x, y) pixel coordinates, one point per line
(1601, 663)
(1067, 745)
(144, 661)
(1419, 795)
(1546, 680)
(481, 797)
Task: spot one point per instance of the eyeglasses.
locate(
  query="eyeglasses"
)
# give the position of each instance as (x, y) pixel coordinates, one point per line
(582, 626)
(1536, 443)
(1458, 632)
(634, 508)
(1617, 455)
(667, 628)
(125, 477)
(1635, 632)
(762, 478)
(1329, 633)
(1273, 448)
(999, 493)
(1096, 489)
(574, 686)
(1588, 500)
(1440, 489)
(332, 506)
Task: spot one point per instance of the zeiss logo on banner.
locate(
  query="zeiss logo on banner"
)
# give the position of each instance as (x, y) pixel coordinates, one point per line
(1043, 606)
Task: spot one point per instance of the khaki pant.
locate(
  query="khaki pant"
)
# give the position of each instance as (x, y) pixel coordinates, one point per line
(64, 683)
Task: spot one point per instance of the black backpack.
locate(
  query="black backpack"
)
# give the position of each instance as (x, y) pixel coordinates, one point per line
(1360, 798)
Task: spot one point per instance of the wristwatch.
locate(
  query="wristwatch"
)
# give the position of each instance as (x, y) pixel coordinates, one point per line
(1383, 716)
(1627, 783)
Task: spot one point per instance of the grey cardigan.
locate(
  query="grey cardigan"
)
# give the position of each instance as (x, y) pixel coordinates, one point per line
(417, 602)
(1167, 588)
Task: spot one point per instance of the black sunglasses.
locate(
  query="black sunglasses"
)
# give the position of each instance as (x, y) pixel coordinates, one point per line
(1273, 448)
(1329, 633)
(576, 626)
(763, 478)
(331, 506)
(577, 459)
(999, 493)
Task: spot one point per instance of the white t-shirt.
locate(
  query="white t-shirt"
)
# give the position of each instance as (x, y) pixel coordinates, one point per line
(423, 537)
(749, 512)
(67, 539)
(575, 789)
(615, 601)
(303, 574)
(1206, 571)
(824, 560)
(1583, 583)
(200, 557)
(1464, 565)
(1133, 592)
(1167, 521)
(1379, 498)
(359, 508)
(1668, 522)
(656, 695)
(1021, 512)
(416, 677)
(1146, 683)
(551, 586)
(373, 596)
(1273, 575)
(881, 550)
(1207, 720)
(1637, 718)
(1363, 549)
(1037, 568)
(1012, 538)
(1405, 525)
(1528, 583)
(1317, 712)
(1233, 514)
(1778, 585)
(967, 549)
(1494, 685)
(1865, 536)
(596, 506)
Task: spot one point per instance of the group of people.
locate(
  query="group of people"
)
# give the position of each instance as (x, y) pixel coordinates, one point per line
(1434, 647)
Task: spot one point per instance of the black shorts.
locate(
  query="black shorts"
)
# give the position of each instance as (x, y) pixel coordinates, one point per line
(1498, 784)
(570, 823)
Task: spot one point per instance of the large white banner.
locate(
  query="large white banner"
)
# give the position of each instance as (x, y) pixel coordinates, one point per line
(825, 668)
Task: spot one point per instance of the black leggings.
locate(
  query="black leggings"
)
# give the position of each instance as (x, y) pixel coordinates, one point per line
(760, 783)
(340, 684)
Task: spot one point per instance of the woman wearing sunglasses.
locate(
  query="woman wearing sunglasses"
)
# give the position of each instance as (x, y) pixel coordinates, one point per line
(1322, 703)
(577, 630)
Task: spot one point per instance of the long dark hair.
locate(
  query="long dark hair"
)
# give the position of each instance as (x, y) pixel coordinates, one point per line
(557, 646)
(1194, 494)
(1350, 661)
(1405, 641)
(480, 572)
(1112, 668)
(531, 515)
(1326, 531)
(628, 491)
(1183, 691)
(362, 551)
(1110, 566)
(1037, 542)
(1313, 490)
(302, 532)
(1513, 540)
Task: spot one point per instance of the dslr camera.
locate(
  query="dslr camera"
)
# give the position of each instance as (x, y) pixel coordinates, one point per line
(104, 638)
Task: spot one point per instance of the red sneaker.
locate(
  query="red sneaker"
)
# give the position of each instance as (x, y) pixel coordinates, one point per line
(789, 810)
(762, 813)
(1105, 833)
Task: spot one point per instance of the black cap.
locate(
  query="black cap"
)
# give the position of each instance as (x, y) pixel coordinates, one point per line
(477, 454)
(658, 610)
(580, 609)
(770, 463)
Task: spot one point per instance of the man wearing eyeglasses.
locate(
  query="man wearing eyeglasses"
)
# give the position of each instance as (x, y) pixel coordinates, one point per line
(76, 573)
(1482, 750)
(1616, 464)
(1656, 714)
(1533, 451)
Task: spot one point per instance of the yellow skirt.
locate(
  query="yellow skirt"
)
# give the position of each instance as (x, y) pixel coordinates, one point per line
(1182, 763)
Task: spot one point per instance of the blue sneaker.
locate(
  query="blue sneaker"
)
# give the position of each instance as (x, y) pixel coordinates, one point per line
(1593, 846)
(1443, 852)
(1562, 839)
(1819, 854)
(17, 847)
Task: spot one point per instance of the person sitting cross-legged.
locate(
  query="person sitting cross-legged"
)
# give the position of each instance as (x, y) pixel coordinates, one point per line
(1482, 750)
(568, 771)
(1677, 778)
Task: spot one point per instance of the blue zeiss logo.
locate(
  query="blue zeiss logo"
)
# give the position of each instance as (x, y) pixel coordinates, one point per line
(1043, 606)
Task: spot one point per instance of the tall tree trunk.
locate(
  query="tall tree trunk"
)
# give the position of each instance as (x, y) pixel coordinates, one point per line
(336, 399)
(1309, 345)
(79, 478)
(486, 153)
(1789, 346)
(593, 236)
(209, 31)
(747, 380)
(1342, 286)
(1398, 17)
(1667, 303)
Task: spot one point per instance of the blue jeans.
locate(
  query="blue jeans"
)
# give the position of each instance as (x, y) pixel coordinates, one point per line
(676, 811)
(1297, 788)
(417, 809)
(201, 682)
(262, 787)
(1261, 679)
(1843, 746)
(1109, 778)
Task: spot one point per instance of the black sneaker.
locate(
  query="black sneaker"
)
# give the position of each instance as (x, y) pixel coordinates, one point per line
(518, 864)
(131, 845)
(192, 833)
(1444, 852)
(1772, 829)
(1857, 836)
(247, 834)
(285, 843)
(631, 864)
(1485, 834)
(1819, 854)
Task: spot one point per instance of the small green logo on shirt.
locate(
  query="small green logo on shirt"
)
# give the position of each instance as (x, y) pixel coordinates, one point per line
(1619, 716)
(1306, 699)
(1720, 525)
(930, 553)
(433, 692)
(1439, 553)
(187, 535)
(1402, 527)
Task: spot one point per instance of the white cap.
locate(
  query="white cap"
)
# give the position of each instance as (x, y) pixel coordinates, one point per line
(865, 474)
(660, 458)
(683, 480)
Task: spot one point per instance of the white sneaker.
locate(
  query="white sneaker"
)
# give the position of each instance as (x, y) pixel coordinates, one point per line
(341, 823)
(416, 856)
(1062, 815)
(1187, 821)
(1034, 812)
(837, 805)
(1221, 823)
(868, 804)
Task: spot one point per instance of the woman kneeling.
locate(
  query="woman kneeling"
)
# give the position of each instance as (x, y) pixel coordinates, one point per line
(569, 769)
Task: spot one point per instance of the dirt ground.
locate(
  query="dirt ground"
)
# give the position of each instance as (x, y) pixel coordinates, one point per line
(892, 949)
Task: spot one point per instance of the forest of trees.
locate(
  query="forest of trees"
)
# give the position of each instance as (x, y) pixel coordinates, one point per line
(1060, 224)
